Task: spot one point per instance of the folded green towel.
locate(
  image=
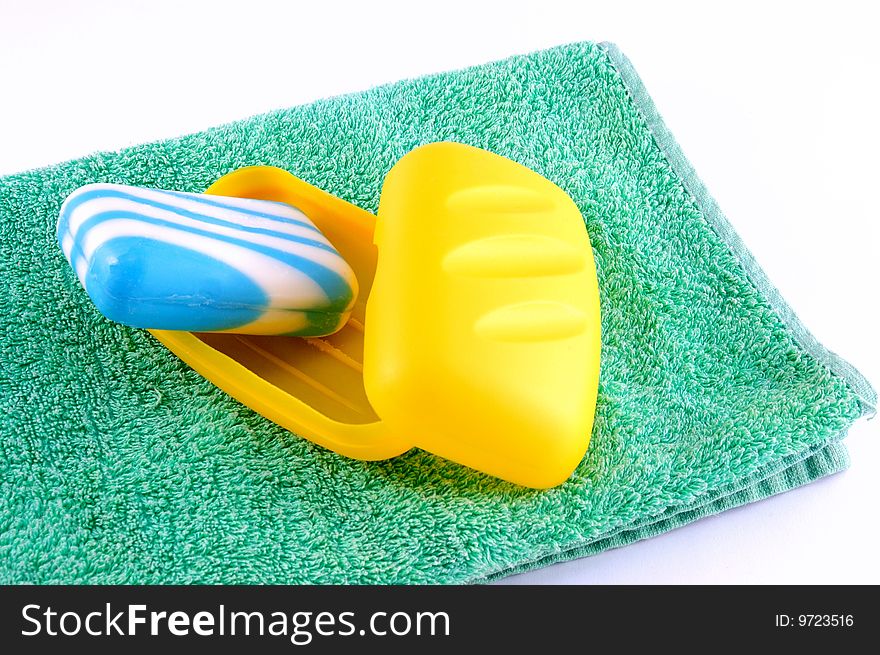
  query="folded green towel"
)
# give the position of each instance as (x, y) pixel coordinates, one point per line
(120, 464)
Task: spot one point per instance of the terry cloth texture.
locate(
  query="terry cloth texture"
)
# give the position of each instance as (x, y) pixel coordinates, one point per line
(120, 464)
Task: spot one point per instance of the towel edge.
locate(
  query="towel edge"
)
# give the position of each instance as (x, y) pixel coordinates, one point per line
(673, 153)
(798, 470)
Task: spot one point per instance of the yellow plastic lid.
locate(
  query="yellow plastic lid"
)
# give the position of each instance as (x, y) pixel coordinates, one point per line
(476, 335)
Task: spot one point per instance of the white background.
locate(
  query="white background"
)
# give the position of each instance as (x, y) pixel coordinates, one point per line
(775, 105)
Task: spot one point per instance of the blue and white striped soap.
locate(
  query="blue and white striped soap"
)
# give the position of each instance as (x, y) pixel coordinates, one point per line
(187, 261)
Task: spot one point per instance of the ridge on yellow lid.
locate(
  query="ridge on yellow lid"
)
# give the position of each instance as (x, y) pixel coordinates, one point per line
(475, 336)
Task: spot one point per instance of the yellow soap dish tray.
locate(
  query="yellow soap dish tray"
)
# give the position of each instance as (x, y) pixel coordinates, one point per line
(476, 335)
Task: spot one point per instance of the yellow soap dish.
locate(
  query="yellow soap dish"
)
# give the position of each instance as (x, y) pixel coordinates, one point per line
(475, 335)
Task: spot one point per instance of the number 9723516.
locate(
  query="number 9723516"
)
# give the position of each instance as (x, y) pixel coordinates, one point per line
(815, 620)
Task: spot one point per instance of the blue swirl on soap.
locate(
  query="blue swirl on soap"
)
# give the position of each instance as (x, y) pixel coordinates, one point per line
(184, 261)
(129, 281)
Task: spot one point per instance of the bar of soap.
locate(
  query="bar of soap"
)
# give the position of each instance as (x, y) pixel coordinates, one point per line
(186, 261)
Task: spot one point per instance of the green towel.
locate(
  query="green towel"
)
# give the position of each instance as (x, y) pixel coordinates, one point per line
(120, 464)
